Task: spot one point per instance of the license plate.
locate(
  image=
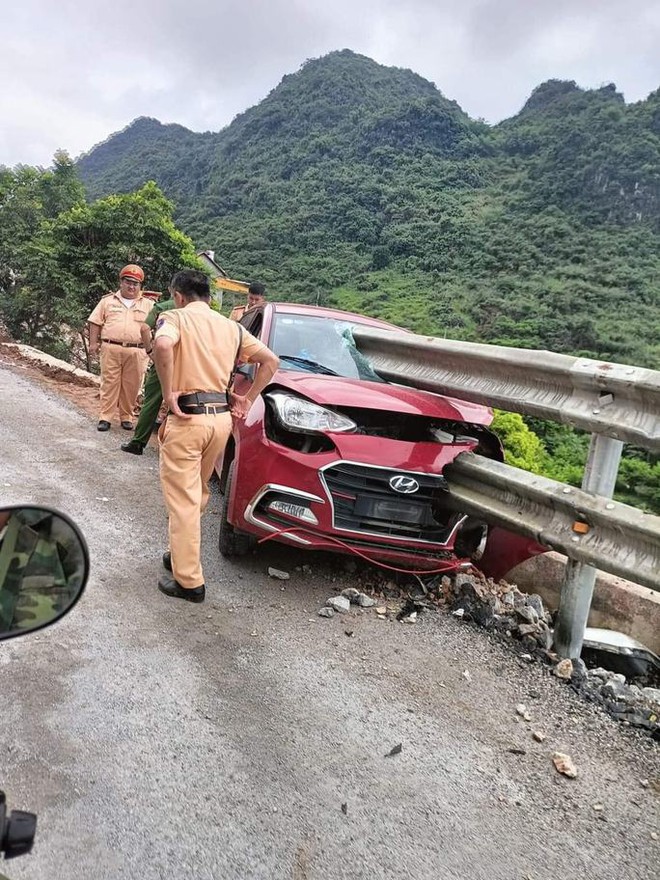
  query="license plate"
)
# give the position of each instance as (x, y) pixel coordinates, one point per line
(393, 511)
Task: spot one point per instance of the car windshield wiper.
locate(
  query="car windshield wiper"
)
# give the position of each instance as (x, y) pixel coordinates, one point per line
(319, 368)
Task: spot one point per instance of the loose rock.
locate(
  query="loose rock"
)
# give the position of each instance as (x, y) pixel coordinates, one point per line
(365, 601)
(351, 594)
(326, 612)
(564, 669)
(564, 765)
(538, 736)
(280, 575)
(339, 603)
(522, 710)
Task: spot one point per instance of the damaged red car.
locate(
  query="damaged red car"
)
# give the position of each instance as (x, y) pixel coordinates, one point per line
(333, 457)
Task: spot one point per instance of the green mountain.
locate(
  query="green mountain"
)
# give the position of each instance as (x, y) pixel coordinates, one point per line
(363, 186)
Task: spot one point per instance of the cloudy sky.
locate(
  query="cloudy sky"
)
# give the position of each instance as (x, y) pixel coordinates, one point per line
(72, 73)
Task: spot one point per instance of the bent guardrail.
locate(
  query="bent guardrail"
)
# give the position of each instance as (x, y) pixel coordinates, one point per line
(585, 527)
(616, 400)
(617, 403)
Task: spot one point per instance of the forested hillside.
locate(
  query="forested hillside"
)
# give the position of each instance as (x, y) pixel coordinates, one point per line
(362, 185)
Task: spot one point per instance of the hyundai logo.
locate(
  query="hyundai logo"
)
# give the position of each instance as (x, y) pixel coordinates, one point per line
(405, 485)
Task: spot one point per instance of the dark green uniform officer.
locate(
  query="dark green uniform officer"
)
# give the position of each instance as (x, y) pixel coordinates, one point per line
(153, 396)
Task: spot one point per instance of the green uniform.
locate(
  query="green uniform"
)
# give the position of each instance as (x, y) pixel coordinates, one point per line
(41, 569)
(153, 395)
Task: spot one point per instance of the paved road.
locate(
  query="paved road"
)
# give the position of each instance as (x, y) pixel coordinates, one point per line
(157, 739)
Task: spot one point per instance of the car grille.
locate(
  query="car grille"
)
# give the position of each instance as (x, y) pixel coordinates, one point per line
(363, 501)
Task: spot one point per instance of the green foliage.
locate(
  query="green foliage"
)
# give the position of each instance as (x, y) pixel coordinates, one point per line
(522, 448)
(352, 183)
(59, 255)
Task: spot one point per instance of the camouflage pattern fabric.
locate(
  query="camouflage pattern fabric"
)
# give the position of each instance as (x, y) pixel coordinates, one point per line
(41, 569)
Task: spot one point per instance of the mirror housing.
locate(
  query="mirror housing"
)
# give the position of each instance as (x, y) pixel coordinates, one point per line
(246, 370)
(44, 566)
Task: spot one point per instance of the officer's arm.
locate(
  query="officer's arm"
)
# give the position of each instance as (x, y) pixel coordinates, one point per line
(94, 333)
(163, 355)
(145, 336)
(268, 364)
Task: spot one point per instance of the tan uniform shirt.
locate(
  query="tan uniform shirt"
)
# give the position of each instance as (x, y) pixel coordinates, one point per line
(237, 313)
(119, 323)
(205, 347)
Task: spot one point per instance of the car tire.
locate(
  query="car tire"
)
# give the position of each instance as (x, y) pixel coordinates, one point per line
(231, 542)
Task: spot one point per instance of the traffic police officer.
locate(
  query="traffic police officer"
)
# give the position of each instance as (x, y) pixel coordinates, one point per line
(195, 350)
(116, 322)
(256, 297)
(153, 397)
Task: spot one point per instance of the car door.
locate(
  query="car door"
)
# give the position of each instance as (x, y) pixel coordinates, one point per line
(251, 321)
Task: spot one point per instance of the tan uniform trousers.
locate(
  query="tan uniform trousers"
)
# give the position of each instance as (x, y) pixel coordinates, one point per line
(122, 372)
(188, 451)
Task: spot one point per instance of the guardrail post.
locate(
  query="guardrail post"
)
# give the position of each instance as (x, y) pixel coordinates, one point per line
(578, 587)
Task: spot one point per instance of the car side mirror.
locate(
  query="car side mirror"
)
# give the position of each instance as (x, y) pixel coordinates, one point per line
(246, 370)
(44, 566)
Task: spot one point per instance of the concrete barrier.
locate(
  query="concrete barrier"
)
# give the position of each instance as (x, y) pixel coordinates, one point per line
(617, 604)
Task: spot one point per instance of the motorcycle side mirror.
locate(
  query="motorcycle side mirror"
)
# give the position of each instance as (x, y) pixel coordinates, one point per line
(44, 566)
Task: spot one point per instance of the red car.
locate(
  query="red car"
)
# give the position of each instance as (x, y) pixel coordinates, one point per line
(333, 457)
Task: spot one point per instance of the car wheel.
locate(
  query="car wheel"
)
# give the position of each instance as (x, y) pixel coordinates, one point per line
(231, 542)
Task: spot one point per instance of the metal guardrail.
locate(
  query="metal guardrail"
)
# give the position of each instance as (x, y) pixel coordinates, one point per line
(612, 399)
(548, 512)
(617, 403)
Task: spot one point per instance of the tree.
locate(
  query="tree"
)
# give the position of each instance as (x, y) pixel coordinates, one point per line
(59, 255)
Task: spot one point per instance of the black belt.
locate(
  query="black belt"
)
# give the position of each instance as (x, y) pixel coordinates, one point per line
(202, 402)
(124, 344)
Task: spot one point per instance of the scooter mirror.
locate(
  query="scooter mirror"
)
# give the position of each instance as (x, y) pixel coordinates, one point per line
(44, 565)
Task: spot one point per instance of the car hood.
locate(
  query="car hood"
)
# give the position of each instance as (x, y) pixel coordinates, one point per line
(386, 397)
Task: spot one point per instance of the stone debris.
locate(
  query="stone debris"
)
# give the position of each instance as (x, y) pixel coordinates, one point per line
(339, 603)
(351, 594)
(539, 736)
(564, 765)
(523, 711)
(326, 612)
(365, 601)
(564, 669)
(466, 675)
(395, 750)
(278, 574)
(522, 619)
(410, 618)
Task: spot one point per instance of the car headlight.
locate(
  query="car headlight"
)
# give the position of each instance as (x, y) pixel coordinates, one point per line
(298, 414)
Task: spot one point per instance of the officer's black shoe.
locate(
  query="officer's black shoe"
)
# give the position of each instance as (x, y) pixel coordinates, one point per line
(133, 446)
(103, 426)
(170, 587)
(167, 561)
(127, 426)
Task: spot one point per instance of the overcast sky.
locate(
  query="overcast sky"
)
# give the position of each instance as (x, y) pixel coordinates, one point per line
(73, 72)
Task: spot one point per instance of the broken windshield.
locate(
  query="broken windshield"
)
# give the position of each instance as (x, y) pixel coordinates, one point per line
(319, 345)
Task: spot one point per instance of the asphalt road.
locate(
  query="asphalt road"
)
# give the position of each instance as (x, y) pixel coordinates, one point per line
(158, 739)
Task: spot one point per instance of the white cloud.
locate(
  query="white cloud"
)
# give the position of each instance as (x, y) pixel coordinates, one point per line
(73, 73)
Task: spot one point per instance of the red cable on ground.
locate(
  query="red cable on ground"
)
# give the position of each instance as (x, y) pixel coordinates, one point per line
(448, 566)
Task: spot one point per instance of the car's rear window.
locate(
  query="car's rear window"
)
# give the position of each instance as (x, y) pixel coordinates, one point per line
(319, 345)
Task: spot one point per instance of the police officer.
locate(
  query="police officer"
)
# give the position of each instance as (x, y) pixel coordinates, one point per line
(153, 395)
(115, 325)
(195, 350)
(256, 297)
